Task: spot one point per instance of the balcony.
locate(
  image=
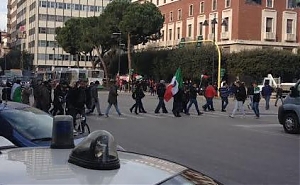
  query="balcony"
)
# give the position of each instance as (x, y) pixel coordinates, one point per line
(225, 35)
(290, 37)
(269, 36)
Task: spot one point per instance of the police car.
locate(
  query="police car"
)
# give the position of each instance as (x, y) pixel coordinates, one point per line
(95, 160)
(26, 126)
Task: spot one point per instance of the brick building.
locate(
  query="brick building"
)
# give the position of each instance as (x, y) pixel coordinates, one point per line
(235, 24)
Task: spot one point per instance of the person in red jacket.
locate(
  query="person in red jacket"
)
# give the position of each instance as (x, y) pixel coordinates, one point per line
(209, 94)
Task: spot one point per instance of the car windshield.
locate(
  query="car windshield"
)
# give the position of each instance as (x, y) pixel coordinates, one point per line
(30, 122)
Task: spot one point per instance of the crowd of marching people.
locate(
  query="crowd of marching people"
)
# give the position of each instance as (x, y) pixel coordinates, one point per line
(82, 98)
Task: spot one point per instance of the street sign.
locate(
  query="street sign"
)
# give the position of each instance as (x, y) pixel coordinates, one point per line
(199, 41)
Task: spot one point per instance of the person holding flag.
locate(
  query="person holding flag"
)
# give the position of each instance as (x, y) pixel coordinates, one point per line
(174, 89)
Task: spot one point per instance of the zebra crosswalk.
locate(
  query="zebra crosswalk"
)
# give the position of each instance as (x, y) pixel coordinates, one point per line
(153, 116)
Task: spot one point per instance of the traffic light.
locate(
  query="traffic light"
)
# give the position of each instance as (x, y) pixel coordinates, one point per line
(131, 71)
(181, 43)
(199, 41)
(222, 72)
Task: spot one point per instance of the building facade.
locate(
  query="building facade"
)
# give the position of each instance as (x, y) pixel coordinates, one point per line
(32, 23)
(234, 24)
(3, 44)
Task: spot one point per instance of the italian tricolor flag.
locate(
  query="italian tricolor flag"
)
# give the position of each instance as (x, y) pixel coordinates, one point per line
(174, 86)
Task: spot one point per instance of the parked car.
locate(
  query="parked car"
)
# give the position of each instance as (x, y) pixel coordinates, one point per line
(289, 111)
(26, 126)
(94, 161)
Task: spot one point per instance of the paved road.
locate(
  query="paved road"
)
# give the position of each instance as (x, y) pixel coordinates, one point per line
(234, 151)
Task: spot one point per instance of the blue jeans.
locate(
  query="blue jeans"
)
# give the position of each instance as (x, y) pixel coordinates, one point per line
(116, 107)
(193, 101)
(255, 107)
(209, 104)
(267, 98)
(224, 102)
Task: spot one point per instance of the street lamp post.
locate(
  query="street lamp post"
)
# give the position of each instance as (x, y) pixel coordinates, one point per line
(213, 23)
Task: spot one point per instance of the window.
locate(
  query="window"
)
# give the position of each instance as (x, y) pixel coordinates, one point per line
(291, 4)
(201, 28)
(170, 34)
(214, 5)
(190, 30)
(44, 4)
(163, 35)
(171, 16)
(202, 7)
(157, 2)
(269, 24)
(289, 26)
(164, 16)
(178, 32)
(179, 15)
(226, 20)
(42, 30)
(269, 3)
(165, 1)
(227, 3)
(191, 10)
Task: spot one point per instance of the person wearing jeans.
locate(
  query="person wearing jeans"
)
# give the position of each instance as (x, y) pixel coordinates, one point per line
(209, 94)
(224, 93)
(266, 93)
(193, 99)
(256, 99)
(240, 96)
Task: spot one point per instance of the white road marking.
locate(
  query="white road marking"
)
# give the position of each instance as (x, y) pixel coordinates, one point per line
(259, 126)
(132, 116)
(153, 116)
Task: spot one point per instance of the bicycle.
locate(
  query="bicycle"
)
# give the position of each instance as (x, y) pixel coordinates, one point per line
(80, 125)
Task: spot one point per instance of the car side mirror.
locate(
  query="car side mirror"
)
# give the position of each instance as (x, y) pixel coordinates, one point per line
(294, 92)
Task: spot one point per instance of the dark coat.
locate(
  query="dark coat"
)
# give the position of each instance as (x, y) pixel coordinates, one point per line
(113, 94)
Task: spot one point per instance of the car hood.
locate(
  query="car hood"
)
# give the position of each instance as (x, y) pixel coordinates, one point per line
(50, 166)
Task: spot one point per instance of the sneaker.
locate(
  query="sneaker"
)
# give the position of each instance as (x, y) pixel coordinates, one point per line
(106, 115)
(231, 116)
(100, 114)
(223, 110)
(156, 112)
(120, 114)
(200, 113)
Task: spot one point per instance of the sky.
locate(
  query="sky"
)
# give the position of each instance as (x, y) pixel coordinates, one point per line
(3, 14)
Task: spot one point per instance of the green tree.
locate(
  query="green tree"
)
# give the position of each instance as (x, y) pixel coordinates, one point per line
(141, 23)
(14, 58)
(69, 37)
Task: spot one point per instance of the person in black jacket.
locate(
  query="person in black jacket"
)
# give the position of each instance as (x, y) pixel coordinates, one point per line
(177, 103)
(76, 100)
(240, 97)
(59, 99)
(138, 95)
(193, 99)
(161, 89)
(256, 99)
(278, 95)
